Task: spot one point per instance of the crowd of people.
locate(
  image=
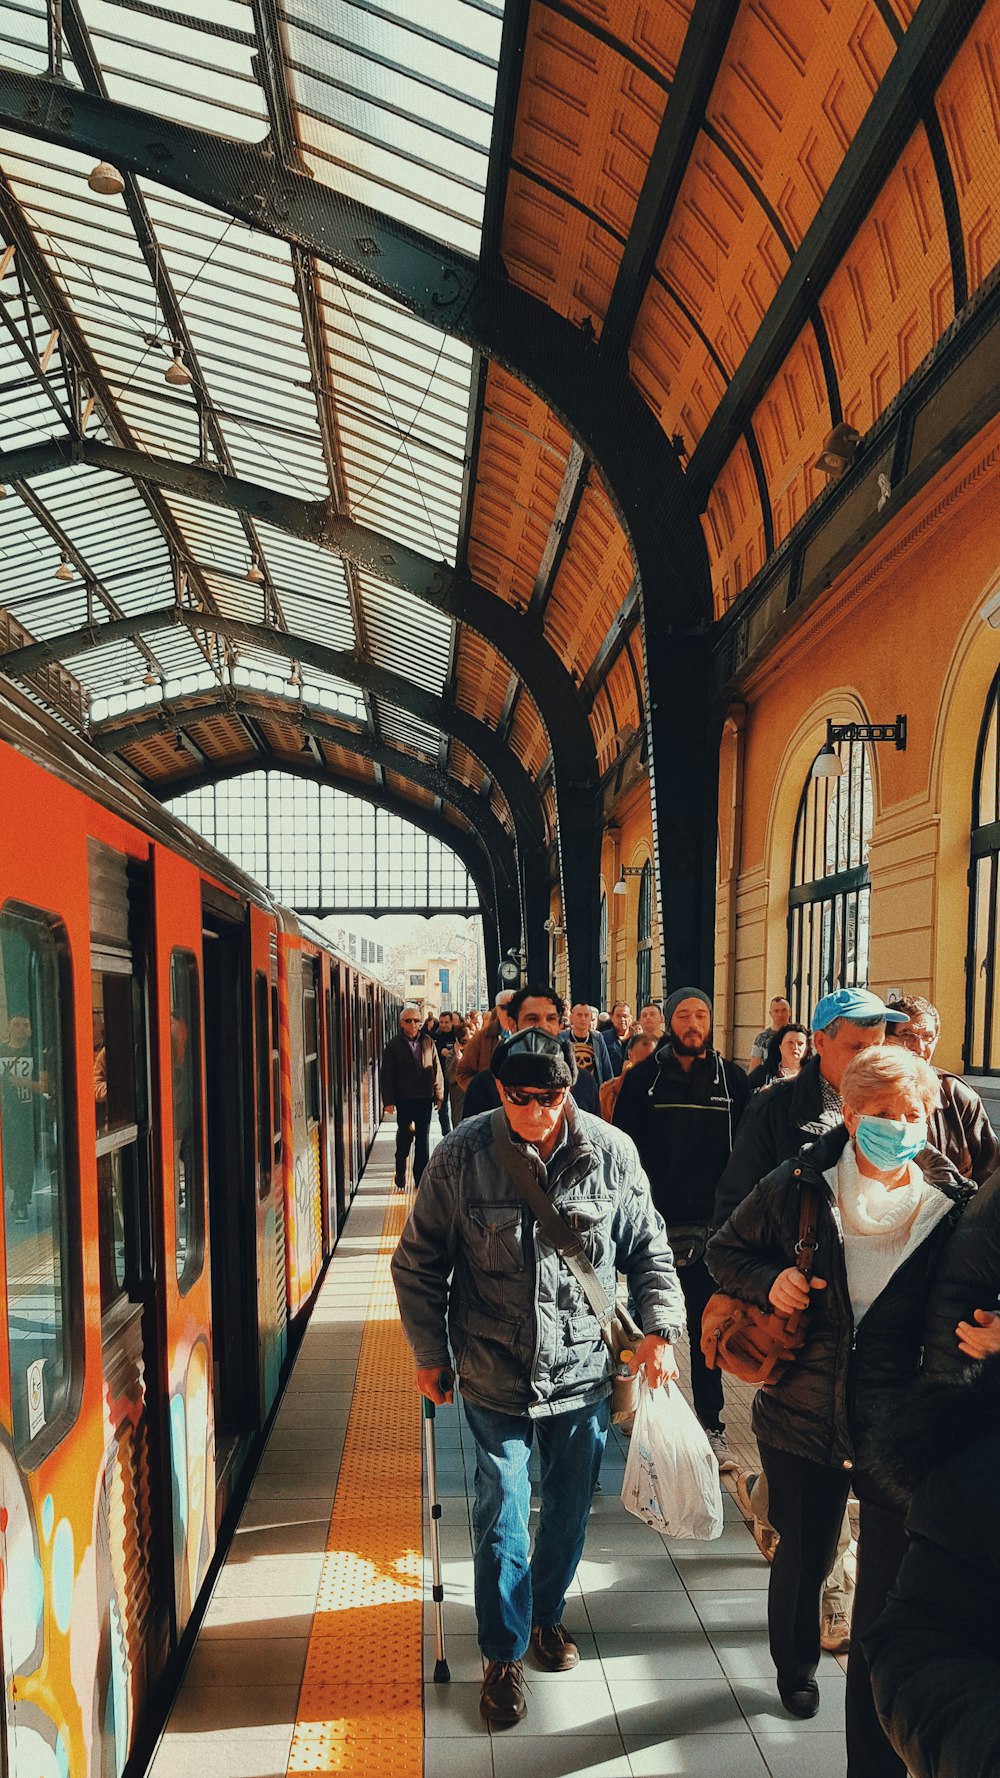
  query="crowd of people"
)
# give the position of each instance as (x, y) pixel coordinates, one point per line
(682, 1172)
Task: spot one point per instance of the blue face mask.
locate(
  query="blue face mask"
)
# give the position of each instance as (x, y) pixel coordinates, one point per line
(889, 1142)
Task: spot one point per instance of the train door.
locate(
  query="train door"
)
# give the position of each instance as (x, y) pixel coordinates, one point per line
(134, 1508)
(231, 1183)
(186, 1289)
(313, 1067)
(272, 1311)
(336, 1096)
(51, 1433)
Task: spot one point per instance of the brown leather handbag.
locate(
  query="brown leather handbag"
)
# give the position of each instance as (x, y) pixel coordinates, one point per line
(759, 1345)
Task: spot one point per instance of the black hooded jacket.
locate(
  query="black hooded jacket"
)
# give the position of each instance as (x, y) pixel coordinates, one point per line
(935, 1651)
(776, 1125)
(829, 1401)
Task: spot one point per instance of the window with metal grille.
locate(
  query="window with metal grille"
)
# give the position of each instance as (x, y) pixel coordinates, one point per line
(829, 897)
(981, 1053)
(644, 939)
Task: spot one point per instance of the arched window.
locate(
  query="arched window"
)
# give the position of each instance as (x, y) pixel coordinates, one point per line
(982, 979)
(602, 942)
(829, 898)
(644, 942)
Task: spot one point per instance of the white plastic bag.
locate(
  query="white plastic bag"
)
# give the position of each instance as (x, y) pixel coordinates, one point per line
(671, 1476)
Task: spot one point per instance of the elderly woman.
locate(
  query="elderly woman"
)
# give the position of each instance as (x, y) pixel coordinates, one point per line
(886, 1206)
(783, 1058)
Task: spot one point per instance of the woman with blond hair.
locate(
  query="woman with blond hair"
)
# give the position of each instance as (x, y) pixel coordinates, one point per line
(885, 1207)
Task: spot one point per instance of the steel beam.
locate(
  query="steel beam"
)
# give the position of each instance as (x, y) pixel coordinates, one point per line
(464, 845)
(702, 52)
(376, 681)
(589, 392)
(937, 32)
(112, 736)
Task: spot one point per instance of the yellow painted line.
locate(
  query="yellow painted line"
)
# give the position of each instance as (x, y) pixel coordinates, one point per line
(360, 1709)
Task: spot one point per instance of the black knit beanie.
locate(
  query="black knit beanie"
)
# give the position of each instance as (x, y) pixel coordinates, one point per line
(533, 1059)
(673, 1001)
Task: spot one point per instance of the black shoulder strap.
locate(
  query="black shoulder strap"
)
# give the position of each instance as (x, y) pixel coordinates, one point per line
(805, 1247)
(566, 1243)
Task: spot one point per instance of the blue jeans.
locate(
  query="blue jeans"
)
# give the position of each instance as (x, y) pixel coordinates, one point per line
(514, 1592)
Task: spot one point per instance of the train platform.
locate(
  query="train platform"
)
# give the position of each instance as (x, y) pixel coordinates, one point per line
(316, 1650)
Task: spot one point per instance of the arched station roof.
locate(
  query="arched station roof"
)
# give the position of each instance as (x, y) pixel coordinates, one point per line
(447, 377)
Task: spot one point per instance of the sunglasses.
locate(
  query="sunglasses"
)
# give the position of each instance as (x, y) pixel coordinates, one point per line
(548, 1097)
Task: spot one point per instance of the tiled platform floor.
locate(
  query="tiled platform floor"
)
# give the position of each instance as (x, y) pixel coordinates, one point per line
(675, 1676)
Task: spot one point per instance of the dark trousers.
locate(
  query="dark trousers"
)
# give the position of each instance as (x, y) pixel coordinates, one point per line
(806, 1508)
(698, 1285)
(413, 1123)
(444, 1116)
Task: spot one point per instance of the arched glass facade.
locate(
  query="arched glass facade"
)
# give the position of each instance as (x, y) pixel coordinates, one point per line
(829, 897)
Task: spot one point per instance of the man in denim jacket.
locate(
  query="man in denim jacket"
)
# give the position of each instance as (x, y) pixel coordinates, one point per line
(474, 1266)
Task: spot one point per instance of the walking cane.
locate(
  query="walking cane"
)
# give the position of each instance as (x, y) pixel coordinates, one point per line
(441, 1671)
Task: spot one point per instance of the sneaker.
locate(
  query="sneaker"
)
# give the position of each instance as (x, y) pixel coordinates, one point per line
(502, 1700)
(723, 1456)
(553, 1649)
(835, 1632)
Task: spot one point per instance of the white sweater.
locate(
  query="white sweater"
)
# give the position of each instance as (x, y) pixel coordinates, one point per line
(880, 1227)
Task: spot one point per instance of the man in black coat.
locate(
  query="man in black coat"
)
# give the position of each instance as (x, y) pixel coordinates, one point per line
(412, 1084)
(792, 1112)
(533, 1009)
(934, 1654)
(681, 1109)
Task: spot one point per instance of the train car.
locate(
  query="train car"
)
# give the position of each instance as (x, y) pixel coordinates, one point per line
(186, 1104)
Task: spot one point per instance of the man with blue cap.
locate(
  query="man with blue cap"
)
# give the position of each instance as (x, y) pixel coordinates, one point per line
(792, 1112)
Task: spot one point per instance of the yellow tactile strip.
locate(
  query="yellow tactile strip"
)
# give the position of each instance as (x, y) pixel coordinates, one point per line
(360, 1706)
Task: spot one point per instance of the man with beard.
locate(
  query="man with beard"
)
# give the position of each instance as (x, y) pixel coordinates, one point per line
(681, 1108)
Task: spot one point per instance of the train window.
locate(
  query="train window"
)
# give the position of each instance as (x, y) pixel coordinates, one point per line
(119, 1104)
(275, 1078)
(262, 1043)
(310, 1040)
(37, 1154)
(189, 1182)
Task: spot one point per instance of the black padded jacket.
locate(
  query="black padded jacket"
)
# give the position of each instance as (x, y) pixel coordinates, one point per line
(772, 1129)
(827, 1403)
(935, 1651)
(968, 1278)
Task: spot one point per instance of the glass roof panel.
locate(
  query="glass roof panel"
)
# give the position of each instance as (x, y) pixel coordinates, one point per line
(406, 635)
(356, 73)
(164, 66)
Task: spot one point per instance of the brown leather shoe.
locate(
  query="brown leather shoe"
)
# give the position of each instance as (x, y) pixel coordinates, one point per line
(553, 1649)
(502, 1702)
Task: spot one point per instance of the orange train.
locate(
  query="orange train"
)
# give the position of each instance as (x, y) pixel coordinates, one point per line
(188, 1093)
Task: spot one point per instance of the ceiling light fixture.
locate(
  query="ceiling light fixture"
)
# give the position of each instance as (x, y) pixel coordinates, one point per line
(255, 574)
(839, 448)
(106, 180)
(150, 678)
(177, 373)
(64, 571)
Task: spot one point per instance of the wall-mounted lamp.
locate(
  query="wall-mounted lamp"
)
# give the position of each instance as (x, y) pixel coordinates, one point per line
(827, 763)
(838, 450)
(628, 870)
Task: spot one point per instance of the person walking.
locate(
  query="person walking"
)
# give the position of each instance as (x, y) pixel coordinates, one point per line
(533, 1008)
(885, 1205)
(960, 1127)
(785, 1054)
(474, 1265)
(638, 1049)
(482, 1043)
(588, 1045)
(617, 1033)
(682, 1108)
(412, 1086)
(779, 1013)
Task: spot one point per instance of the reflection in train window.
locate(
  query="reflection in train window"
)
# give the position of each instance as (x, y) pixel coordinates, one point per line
(119, 1105)
(185, 1060)
(37, 1154)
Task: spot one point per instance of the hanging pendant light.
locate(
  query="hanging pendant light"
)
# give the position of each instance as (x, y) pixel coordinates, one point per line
(150, 678)
(177, 373)
(255, 573)
(106, 180)
(64, 571)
